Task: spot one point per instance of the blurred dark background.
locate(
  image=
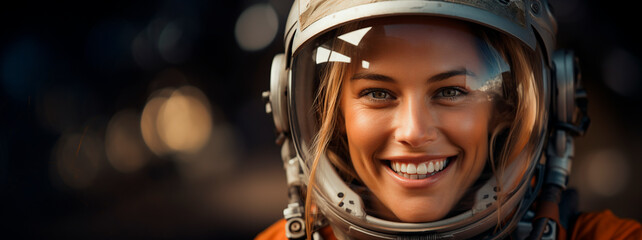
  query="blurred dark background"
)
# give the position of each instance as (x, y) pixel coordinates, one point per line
(144, 119)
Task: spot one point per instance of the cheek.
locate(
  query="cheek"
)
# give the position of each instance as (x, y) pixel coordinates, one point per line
(467, 128)
(365, 129)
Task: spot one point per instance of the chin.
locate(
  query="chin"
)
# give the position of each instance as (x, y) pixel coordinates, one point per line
(424, 214)
(420, 217)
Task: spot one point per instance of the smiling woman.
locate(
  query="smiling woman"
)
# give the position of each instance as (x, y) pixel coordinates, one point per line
(411, 131)
(423, 119)
(427, 115)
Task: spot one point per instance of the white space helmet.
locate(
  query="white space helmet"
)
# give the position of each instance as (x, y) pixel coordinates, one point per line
(513, 69)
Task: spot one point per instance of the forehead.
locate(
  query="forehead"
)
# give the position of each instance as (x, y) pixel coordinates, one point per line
(419, 38)
(418, 46)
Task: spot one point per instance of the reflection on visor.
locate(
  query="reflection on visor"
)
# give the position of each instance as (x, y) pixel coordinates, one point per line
(491, 80)
(325, 55)
(355, 37)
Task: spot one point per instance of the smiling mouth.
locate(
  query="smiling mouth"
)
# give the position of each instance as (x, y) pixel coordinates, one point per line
(419, 170)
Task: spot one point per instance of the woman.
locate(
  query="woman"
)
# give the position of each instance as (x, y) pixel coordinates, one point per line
(425, 119)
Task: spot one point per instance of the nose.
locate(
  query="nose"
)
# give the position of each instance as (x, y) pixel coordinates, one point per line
(415, 124)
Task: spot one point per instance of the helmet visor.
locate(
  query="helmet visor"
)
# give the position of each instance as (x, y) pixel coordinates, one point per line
(425, 119)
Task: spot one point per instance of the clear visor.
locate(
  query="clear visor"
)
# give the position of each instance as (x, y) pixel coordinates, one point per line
(427, 120)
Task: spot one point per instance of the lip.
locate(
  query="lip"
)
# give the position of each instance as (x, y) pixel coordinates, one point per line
(418, 183)
(417, 159)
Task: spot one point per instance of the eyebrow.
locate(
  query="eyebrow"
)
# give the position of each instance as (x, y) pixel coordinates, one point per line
(435, 78)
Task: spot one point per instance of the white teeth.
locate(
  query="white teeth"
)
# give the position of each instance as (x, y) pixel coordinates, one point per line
(411, 169)
(421, 169)
(418, 171)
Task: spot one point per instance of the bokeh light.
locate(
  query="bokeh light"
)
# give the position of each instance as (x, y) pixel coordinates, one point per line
(123, 142)
(78, 158)
(148, 126)
(176, 120)
(168, 40)
(256, 27)
(184, 121)
(144, 46)
(175, 41)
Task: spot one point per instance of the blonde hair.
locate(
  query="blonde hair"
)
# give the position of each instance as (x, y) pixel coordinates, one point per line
(512, 133)
(514, 121)
(329, 118)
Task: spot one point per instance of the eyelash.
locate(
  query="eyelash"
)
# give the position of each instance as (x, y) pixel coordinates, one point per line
(368, 92)
(389, 96)
(459, 92)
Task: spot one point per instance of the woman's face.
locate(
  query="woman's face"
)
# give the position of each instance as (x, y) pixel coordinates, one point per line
(417, 127)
